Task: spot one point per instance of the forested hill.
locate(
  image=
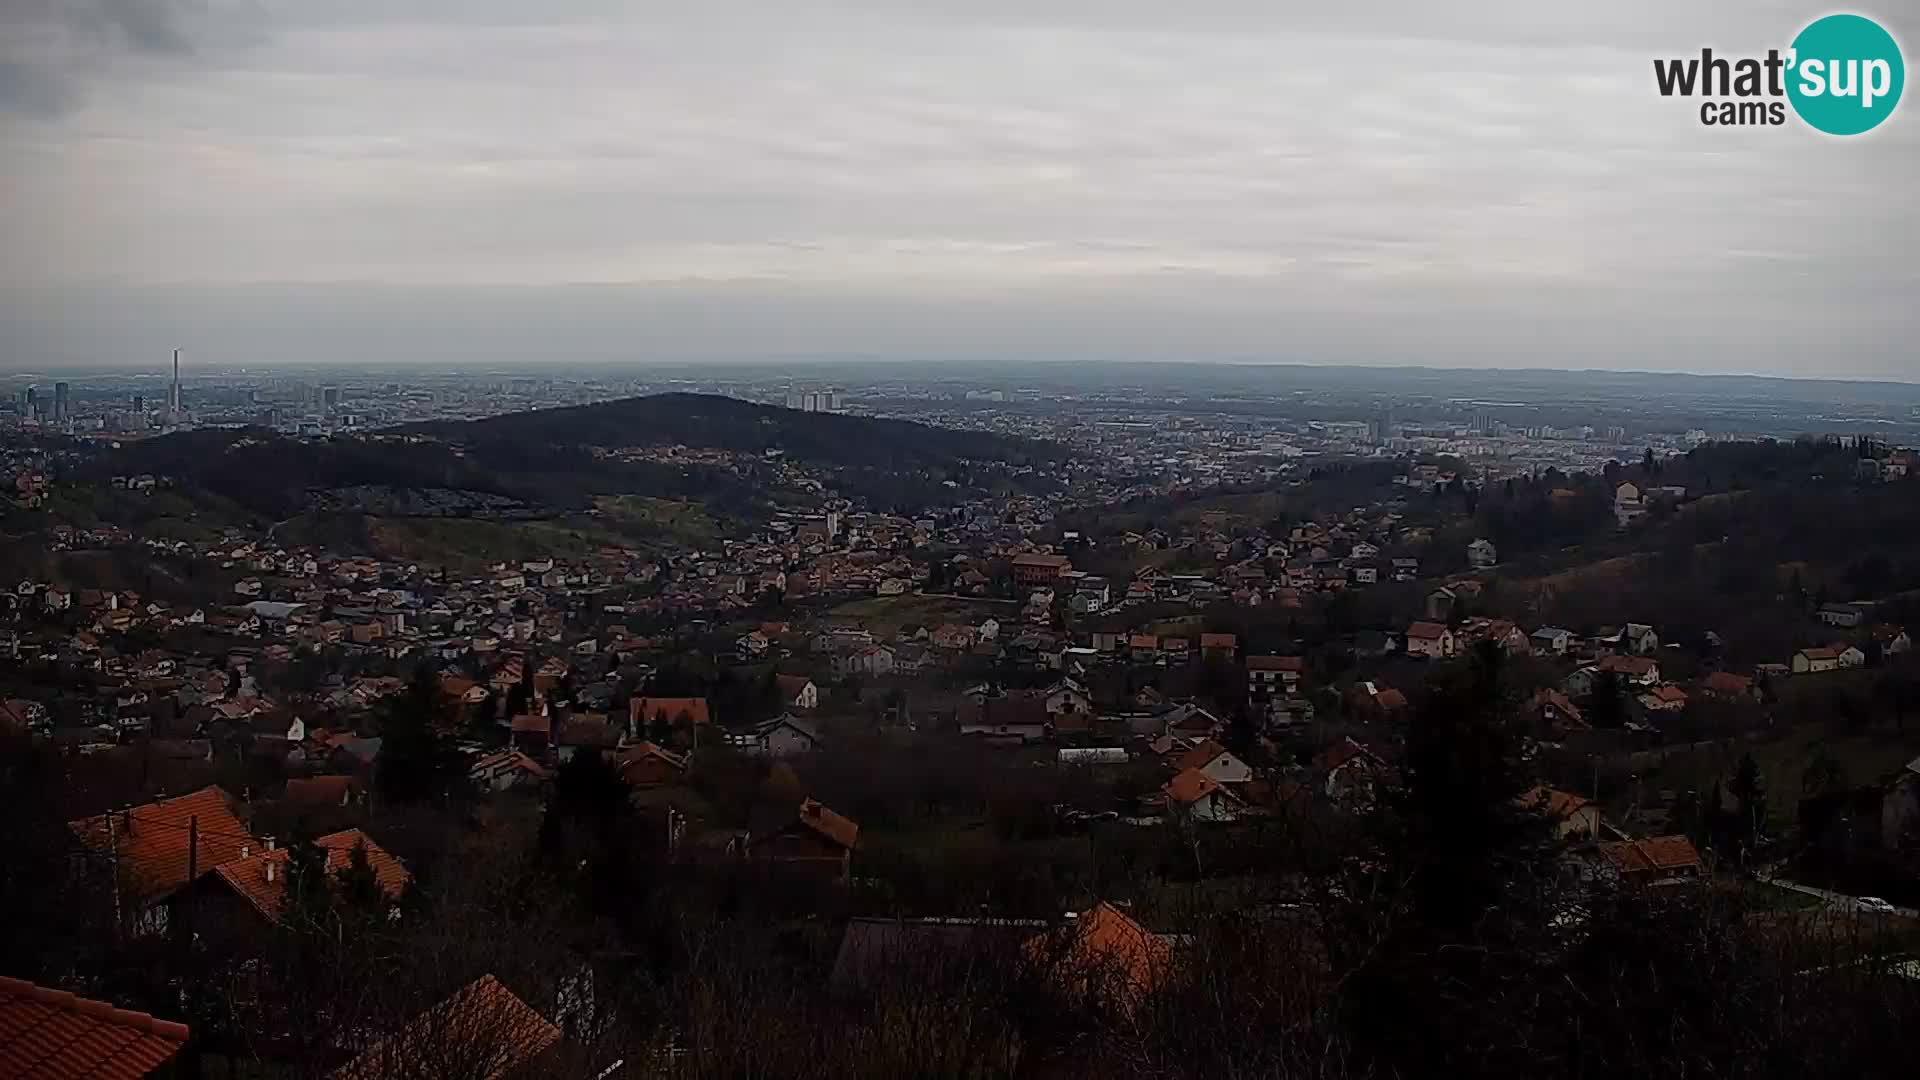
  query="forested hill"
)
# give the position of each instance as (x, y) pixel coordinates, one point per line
(723, 423)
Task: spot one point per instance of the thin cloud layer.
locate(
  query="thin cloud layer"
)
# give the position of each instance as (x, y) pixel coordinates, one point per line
(1377, 183)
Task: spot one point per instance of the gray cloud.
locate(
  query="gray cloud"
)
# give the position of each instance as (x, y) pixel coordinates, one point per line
(50, 50)
(1364, 182)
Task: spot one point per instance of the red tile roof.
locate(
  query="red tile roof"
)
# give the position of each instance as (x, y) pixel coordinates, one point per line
(482, 1032)
(1190, 786)
(1555, 804)
(47, 1033)
(1200, 756)
(1637, 666)
(151, 841)
(1276, 663)
(642, 710)
(1105, 950)
(261, 879)
(1657, 856)
(388, 870)
(840, 830)
(1426, 631)
(1726, 682)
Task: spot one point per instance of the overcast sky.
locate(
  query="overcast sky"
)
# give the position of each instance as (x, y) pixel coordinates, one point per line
(1488, 183)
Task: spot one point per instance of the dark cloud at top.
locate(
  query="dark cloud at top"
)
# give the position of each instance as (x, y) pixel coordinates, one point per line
(50, 50)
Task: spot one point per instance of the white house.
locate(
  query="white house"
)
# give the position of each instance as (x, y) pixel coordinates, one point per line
(1482, 554)
(1430, 639)
(1552, 639)
(1195, 795)
(1215, 762)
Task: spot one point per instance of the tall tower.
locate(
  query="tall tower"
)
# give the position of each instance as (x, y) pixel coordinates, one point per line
(62, 402)
(173, 392)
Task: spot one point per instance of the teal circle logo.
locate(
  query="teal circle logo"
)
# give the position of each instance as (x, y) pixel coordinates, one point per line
(1846, 74)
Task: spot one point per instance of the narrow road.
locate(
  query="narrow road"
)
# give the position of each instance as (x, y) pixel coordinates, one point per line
(1837, 901)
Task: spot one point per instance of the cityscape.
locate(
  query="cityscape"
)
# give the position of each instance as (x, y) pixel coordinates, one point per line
(1042, 541)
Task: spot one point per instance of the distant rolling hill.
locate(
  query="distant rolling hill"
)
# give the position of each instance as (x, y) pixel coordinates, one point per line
(541, 463)
(710, 421)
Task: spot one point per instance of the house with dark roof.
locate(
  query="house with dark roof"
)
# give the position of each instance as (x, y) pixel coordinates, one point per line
(810, 837)
(783, 736)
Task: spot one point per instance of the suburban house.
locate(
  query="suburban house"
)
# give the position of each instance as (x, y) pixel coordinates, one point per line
(1556, 711)
(1267, 675)
(782, 736)
(1020, 715)
(1726, 686)
(507, 769)
(1552, 639)
(1199, 797)
(1029, 570)
(1482, 554)
(1103, 956)
(1846, 616)
(1430, 639)
(645, 765)
(1661, 860)
(586, 733)
(1218, 646)
(482, 1030)
(644, 712)
(1633, 670)
(1815, 660)
(160, 848)
(797, 691)
(258, 883)
(810, 836)
(1573, 816)
(1640, 639)
(1216, 762)
(1348, 774)
(1665, 698)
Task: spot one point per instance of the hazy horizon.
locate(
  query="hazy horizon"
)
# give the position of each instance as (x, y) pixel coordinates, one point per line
(479, 184)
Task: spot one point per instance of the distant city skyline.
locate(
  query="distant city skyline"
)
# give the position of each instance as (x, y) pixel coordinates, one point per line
(481, 184)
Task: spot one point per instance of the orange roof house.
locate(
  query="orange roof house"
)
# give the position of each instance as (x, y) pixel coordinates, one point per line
(810, 835)
(161, 846)
(1661, 858)
(642, 711)
(47, 1033)
(647, 765)
(260, 879)
(484, 1031)
(1105, 955)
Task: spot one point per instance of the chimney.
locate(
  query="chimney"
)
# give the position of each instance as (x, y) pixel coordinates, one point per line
(270, 865)
(269, 841)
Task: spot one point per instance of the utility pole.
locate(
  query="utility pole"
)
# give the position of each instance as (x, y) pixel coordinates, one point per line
(113, 854)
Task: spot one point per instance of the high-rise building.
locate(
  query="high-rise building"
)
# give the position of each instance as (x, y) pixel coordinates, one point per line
(330, 398)
(173, 391)
(62, 403)
(32, 401)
